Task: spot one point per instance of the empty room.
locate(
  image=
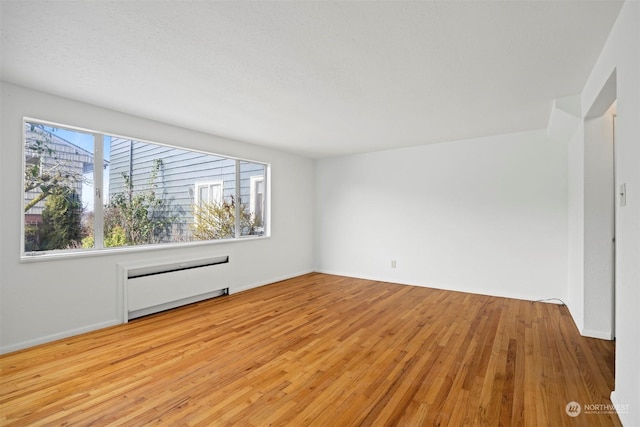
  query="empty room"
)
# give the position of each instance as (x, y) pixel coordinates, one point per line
(319, 213)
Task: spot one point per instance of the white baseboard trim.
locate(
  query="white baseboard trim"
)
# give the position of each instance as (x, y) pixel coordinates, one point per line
(368, 277)
(621, 409)
(66, 334)
(597, 334)
(575, 316)
(440, 286)
(55, 337)
(236, 289)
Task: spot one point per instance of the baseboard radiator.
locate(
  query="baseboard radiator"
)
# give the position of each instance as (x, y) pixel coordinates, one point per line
(157, 287)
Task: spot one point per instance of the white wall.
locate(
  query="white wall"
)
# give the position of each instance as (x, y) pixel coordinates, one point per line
(598, 227)
(46, 300)
(487, 215)
(575, 271)
(621, 54)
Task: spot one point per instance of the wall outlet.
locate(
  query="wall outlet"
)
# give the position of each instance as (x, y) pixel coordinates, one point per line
(393, 263)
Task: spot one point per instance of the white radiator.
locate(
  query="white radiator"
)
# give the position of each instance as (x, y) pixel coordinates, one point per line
(150, 288)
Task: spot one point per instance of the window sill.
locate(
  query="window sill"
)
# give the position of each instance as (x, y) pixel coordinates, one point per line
(86, 253)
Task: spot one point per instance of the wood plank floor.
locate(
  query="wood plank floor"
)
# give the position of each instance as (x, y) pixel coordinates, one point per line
(319, 350)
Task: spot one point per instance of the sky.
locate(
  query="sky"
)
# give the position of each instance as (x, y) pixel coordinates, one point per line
(81, 139)
(86, 142)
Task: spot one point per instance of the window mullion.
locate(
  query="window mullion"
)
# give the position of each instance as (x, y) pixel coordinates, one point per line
(98, 200)
(156, 212)
(237, 200)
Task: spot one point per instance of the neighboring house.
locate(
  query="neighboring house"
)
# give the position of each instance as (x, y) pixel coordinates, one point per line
(183, 179)
(58, 155)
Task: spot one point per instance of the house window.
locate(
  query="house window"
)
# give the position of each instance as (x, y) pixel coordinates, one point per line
(257, 198)
(208, 192)
(89, 190)
(252, 210)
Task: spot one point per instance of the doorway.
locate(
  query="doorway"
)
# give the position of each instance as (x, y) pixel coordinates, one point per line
(600, 214)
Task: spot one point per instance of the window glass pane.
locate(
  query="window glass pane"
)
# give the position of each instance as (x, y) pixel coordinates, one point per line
(204, 194)
(151, 193)
(215, 195)
(58, 188)
(252, 197)
(161, 194)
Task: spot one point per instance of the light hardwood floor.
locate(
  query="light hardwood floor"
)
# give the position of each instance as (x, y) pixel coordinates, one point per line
(319, 350)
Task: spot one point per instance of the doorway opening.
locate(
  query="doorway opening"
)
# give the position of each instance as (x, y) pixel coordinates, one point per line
(600, 214)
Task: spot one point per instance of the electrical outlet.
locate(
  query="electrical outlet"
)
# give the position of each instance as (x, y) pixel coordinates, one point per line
(393, 263)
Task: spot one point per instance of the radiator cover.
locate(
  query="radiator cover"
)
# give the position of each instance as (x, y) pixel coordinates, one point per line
(153, 287)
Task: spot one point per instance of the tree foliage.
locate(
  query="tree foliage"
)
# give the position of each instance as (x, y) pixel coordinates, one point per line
(115, 238)
(217, 220)
(50, 176)
(61, 221)
(138, 217)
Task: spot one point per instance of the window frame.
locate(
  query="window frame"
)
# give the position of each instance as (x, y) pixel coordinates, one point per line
(209, 185)
(29, 256)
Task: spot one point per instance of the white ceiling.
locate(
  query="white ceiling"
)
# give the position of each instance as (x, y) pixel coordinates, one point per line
(317, 78)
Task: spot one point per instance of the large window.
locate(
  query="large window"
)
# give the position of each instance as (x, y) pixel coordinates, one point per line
(89, 190)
